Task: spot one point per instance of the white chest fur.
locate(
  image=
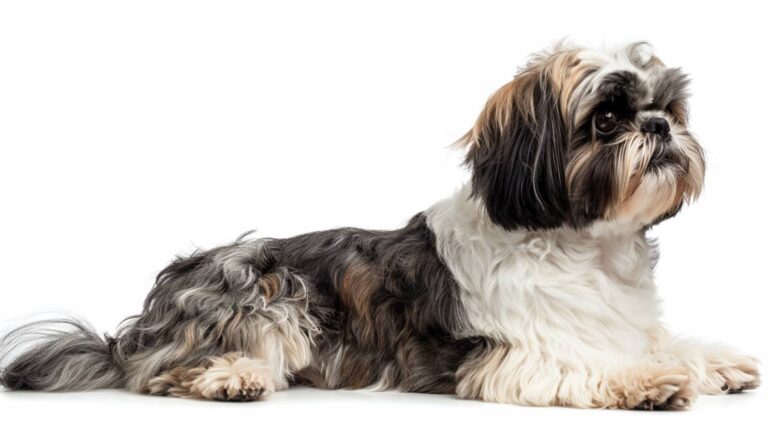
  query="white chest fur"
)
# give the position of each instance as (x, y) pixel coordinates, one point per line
(578, 293)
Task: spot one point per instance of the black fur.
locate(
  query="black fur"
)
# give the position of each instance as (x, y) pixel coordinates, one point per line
(518, 170)
(414, 306)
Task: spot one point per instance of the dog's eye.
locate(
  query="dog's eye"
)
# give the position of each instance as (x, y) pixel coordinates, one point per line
(606, 122)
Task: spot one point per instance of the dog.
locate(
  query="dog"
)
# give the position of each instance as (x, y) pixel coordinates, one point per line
(531, 285)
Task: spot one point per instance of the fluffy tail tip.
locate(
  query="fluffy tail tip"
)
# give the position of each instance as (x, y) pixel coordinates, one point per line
(57, 355)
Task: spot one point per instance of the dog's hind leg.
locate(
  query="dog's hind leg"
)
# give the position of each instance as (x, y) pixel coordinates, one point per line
(231, 377)
(225, 324)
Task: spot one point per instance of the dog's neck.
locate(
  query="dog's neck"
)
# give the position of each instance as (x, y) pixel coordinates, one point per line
(464, 232)
(469, 211)
(496, 267)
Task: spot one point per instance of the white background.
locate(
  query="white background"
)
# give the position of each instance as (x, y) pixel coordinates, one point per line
(133, 131)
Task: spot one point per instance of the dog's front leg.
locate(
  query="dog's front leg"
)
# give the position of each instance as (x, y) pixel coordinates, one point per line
(715, 369)
(509, 373)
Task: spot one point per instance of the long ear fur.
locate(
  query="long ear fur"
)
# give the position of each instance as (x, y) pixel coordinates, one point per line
(517, 154)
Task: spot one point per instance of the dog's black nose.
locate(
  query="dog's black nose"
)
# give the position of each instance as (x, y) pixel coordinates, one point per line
(656, 125)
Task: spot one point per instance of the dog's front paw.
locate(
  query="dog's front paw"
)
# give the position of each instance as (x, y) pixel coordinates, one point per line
(730, 374)
(653, 388)
(668, 392)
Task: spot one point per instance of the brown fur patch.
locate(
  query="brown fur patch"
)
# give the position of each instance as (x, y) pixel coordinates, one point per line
(176, 382)
(358, 284)
(561, 67)
(270, 285)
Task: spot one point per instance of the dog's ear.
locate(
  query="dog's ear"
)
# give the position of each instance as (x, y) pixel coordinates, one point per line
(517, 153)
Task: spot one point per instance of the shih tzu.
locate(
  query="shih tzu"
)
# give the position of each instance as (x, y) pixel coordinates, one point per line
(532, 285)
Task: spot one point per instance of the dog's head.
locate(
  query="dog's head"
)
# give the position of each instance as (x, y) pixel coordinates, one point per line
(580, 136)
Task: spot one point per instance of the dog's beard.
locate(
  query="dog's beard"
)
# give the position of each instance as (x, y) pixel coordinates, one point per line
(655, 178)
(637, 177)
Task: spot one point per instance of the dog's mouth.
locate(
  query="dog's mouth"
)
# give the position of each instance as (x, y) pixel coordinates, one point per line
(665, 155)
(661, 159)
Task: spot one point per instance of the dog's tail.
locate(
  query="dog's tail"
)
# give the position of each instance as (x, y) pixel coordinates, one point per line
(58, 355)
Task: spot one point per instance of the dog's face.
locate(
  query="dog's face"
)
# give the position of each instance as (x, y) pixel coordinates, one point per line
(580, 136)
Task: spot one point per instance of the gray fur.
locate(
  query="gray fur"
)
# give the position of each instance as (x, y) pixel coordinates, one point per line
(340, 308)
(58, 355)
